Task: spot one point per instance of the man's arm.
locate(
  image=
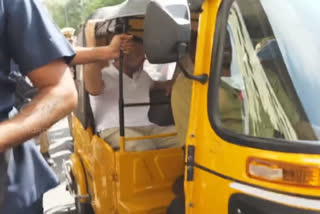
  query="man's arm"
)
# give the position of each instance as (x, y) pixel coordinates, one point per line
(86, 55)
(92, 72)
(93, 81)
(57, 97)
(98, 57)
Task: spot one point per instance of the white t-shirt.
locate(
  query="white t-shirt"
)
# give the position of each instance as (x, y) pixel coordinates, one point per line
(105, 106)
(159, 72)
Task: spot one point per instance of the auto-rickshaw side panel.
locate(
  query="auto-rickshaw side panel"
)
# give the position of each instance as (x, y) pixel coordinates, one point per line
(97, 159)
(221, 167)
(203, 201)
(143, 183)
(80, 177)
(145, 179)
(82, 148)
(104, 177)
(82, 140)
(207, 21)
(216, 150)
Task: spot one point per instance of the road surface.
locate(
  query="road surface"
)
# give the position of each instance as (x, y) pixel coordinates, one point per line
(58, 200)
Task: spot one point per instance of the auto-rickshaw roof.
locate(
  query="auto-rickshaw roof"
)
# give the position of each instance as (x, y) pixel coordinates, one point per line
(126, 8)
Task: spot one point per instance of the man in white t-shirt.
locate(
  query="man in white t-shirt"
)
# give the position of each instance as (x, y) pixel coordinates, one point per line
(103, 87)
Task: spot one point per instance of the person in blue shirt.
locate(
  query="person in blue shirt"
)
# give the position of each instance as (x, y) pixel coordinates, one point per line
(30, 38)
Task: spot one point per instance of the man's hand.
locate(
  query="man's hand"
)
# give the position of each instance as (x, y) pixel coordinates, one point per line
(121, 42)
(57, 97)
(104, 53)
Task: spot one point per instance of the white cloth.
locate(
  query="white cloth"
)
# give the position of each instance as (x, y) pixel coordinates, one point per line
(105, 106)
(159, 72)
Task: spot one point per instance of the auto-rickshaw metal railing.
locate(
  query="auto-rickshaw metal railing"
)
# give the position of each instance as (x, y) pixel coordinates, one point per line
(122, 26)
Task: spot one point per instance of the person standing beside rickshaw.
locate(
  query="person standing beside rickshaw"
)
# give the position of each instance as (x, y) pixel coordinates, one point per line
(83, 56)
(44, 137)
(43, 57)
(42, 54)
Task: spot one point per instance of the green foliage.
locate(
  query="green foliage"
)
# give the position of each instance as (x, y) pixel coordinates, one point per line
(72, 13)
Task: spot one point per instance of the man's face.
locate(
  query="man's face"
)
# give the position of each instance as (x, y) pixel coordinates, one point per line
(135, 58)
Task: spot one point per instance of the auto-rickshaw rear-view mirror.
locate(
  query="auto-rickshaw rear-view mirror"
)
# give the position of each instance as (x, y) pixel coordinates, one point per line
(167, 30)
(195, 5)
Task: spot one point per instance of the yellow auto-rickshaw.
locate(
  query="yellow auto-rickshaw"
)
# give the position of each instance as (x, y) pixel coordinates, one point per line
(252, 124)
(104, 179)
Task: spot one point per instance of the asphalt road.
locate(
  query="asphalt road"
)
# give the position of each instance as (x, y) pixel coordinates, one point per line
(58, 200)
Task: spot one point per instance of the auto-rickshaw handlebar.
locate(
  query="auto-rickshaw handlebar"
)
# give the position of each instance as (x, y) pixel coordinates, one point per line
(182, 49)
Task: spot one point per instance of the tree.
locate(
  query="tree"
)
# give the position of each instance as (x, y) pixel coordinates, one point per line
(72, 13)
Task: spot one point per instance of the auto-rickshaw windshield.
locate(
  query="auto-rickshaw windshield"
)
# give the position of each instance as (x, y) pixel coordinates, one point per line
(299, 43)
(270, 80)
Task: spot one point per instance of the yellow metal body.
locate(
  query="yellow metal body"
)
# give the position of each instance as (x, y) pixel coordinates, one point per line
(79, 176)
(125, 182)
(127, 139)
(140, 182)
(209, 192)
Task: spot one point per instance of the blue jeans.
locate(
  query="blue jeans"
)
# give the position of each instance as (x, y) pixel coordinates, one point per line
(29, 177)
(36, 208)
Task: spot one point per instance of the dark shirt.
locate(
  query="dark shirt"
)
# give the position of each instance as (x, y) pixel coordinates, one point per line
(31, 39)
(25, 91)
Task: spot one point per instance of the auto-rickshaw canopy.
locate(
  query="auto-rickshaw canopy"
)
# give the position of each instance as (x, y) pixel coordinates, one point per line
(125, 9)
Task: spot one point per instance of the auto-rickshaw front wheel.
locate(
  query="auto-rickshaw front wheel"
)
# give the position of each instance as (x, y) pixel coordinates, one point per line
(74, 189)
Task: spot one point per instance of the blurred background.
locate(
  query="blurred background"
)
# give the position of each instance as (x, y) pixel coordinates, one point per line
(72, 13)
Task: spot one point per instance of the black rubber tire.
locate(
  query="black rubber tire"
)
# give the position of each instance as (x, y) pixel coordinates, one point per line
(83, 208)
(177, 206)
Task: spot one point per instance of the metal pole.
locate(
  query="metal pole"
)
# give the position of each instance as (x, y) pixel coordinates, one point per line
(124, 23)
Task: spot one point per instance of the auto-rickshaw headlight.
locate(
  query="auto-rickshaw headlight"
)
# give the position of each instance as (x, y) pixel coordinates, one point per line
(282, 172)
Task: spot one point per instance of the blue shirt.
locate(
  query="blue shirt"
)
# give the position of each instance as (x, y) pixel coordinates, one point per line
(29, 37)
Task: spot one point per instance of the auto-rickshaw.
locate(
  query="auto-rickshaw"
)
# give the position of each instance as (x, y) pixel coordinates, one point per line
(253, 134)
(253, 128)
(109, 180)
